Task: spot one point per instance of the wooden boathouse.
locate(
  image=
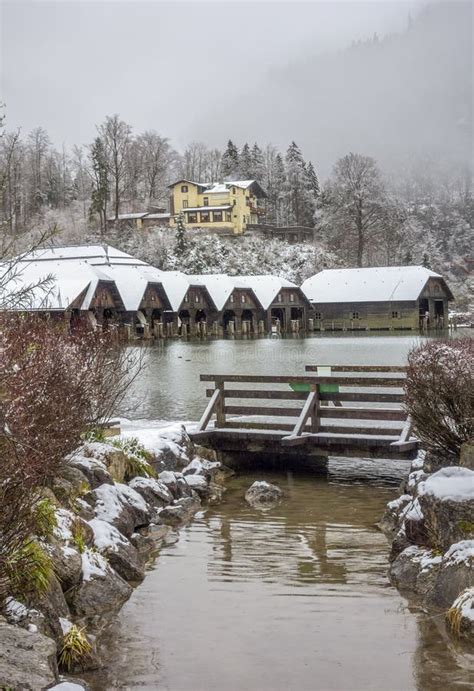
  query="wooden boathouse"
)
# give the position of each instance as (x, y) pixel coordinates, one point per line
(382, 298)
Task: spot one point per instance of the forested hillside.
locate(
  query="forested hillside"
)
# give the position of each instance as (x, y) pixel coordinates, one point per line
(415, 208)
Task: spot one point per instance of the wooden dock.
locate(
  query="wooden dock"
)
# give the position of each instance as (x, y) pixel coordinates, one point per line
(337, 410)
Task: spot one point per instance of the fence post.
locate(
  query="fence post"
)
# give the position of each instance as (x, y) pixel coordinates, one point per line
(314, 413)
(220, 407)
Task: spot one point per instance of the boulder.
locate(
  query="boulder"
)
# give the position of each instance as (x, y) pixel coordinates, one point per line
(390, 521)
(67, 564)
(120, 553)
(175, 449)
(263, 493)
(447, 501)
(411, 565)
(52, 605)
(144, 544)
(27, 659)
(199, 484)
(180, 512)
(101, 592)
(95, 471)
(170, 480)
(114, 459)
(456, 573)
(71, 530)
(154, 492)
(121, 506)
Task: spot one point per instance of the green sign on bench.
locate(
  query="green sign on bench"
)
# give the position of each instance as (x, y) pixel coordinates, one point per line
(323, 388)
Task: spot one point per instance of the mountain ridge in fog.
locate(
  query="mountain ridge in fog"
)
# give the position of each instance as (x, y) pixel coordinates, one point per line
(398, 98)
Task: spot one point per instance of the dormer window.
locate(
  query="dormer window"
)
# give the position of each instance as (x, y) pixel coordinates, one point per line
(233, 190)
(184, 189)
(232, 297)
(206, 201)
(280, 297)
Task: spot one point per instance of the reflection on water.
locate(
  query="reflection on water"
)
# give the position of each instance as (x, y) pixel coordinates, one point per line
(295, 597)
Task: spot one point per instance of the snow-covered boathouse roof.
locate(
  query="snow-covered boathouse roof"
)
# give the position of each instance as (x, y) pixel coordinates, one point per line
(377, 284)
(92, 254)
(55, 285)
(266, 287)
(221, 286)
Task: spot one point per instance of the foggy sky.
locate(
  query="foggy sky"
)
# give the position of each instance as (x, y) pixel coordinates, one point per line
(169, 66)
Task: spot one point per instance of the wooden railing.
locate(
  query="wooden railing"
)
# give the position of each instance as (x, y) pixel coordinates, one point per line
(358, 384)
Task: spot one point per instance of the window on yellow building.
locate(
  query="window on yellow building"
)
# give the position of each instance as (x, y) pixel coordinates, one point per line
(184, 188)
(205, 216)
(233, 190)
(217, 216)
(206, 201)
(185, 203)
(192, 217)
(228, 216)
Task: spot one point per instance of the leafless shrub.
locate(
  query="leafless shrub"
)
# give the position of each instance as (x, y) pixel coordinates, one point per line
(54, 383)
(440, 395)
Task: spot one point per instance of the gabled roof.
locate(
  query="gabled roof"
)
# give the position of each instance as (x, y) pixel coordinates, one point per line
(69, 281)
(92, 254)
(266, 287)
(378, 284)
(220, 286)
(222, 187)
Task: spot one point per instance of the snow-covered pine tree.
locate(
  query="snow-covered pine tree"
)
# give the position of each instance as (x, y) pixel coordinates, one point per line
(258, 164)
(100, 186)
(245, 163)
(181, 243)
(230, 161)
(299, 198)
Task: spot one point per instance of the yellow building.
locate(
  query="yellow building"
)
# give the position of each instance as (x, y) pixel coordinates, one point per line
(222, 206)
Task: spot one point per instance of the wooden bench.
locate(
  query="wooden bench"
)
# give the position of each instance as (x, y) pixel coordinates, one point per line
(333, 411)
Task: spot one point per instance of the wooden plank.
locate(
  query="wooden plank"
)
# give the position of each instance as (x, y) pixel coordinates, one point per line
(306, 411)
(363, 413)
(352, 429)
(267, 394)
(357, 368)
(279, 379)
(220, 404)
(389, 397)
(239, 424)
(262, 410)
(204, 421)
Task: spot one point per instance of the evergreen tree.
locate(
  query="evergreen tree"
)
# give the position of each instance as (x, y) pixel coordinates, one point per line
(313, 182)
(299, 198)
(100, 188)
(258, 164)
(245, 163)
(230, 161)
(181, 243)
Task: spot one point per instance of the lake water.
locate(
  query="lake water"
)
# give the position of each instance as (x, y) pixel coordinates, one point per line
(291, 599)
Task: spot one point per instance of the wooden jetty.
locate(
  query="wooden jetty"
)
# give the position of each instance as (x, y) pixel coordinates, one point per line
(337, 410)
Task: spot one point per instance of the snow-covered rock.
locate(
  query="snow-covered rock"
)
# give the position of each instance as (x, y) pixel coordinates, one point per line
(121, 506)
(102, 591)
(154, 492)
(93, 469)
(120, 553)
(180, 512)
(447, 501)
(27, 658)
(263, 493)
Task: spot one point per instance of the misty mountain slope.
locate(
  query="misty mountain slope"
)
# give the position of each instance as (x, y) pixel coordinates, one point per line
(405, 95)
